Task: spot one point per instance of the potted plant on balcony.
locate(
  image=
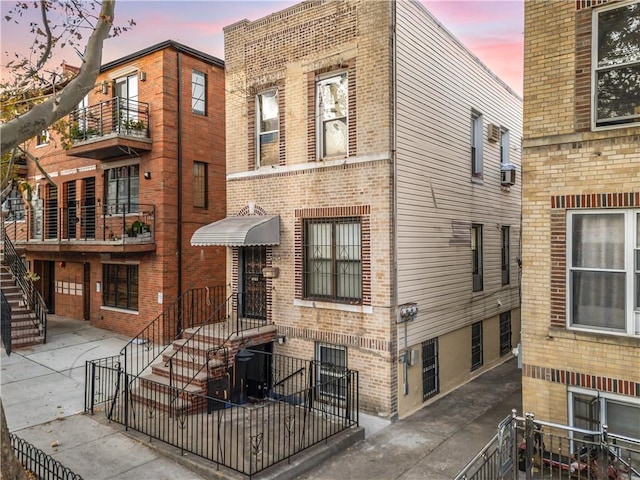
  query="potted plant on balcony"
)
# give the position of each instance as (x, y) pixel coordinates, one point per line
(140, 229)
(133, 127)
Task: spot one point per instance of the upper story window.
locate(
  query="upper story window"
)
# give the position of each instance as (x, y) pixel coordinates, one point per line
(332, 104)
(267, 128)
(476, 144)
(505, 255)
(603, 270)
(476, 257)
(121, 195)
(504, 146)
(616, 64)
(333, 259)
(198, 93)
(200, 193)
(42, 138)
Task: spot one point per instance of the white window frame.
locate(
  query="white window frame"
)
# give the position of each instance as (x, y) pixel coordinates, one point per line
(477, 122)
(259, 132)
(325, 369)
(623, 122)
(320, 82)
(606, 396)
(631, 270)
(196, 100)
(42, 138)
(505, 145)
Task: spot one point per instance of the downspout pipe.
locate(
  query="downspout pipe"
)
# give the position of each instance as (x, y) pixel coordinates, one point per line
(179, 147)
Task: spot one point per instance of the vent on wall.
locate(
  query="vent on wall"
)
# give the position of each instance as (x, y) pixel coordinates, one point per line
(493, 132)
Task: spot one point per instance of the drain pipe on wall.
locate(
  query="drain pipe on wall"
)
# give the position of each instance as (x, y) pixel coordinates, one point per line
(179, 147)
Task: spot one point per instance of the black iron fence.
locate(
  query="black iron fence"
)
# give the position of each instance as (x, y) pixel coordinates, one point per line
(117, 115)
(5, 324)
(41, 465)
(526, 448)
(261, 410)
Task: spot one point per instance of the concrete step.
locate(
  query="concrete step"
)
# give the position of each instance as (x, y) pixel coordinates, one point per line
(181, 374)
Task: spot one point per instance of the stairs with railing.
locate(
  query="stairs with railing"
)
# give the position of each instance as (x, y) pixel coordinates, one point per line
(193, 342)
(28, 310)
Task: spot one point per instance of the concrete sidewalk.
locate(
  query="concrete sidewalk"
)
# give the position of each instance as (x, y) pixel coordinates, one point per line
(43, 397)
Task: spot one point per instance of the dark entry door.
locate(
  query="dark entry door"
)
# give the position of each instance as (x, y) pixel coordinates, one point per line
(253, 301)
(47, 283)
(259, 371)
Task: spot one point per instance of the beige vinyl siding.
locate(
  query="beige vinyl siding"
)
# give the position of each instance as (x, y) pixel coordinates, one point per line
(438, 84)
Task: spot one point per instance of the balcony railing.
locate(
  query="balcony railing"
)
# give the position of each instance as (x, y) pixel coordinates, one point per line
(116, 116)
(101, 224)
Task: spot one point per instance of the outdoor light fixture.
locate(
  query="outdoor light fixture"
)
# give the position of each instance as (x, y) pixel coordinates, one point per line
(244, 355)
(143, 76)
(105, 87)
(147, 175)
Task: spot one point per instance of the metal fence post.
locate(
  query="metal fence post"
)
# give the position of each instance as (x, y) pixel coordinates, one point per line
(529, 437)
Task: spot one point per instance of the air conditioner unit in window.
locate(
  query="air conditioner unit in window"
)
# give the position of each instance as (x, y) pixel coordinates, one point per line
(493, 132)
(508, 173)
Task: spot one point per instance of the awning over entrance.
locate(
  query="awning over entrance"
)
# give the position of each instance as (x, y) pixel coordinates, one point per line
(239, 231)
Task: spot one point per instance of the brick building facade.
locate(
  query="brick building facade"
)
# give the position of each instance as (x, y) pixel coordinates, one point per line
(351, 192)
(108, 233)
(581, 211)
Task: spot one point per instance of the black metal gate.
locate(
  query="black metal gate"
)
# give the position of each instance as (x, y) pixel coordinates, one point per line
(254, 285)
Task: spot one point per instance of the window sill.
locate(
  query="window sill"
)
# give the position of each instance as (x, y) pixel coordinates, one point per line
(120, 310)
(477, 180)
(613, 338)
(343, 307)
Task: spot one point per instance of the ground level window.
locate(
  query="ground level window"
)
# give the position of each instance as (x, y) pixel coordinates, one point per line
(476, 346)
(120, 286)
(430, 369)
(331, 370)
(505, 333)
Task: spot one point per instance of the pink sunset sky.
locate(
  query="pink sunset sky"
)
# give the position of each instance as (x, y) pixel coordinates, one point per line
(491, 29)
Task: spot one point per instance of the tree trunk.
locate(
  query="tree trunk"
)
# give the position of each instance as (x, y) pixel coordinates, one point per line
(11, 468)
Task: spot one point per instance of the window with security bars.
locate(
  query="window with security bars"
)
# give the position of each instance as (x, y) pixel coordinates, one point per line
(476, 257)
(331, 373)
(430, 369)
(505, 333)
(120, 286)
(505, 255)
(476, 346)
(333, 259)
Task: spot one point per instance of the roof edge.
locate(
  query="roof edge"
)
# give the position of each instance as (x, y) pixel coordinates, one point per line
(205, 57)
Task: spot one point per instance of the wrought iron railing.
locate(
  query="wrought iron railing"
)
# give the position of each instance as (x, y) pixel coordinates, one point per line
(41, 465)
(24, 280)
(193, 308)
(118, 116)
(114, 223)
(286, 411)
(5, 324)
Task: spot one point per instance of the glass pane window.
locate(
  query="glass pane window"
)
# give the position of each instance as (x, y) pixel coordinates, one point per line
(268, 128)
(602, 274)
(505, 231)
(333, 106)
(200, 184)
(42, 138)
(333, 259)
(476, 144)
(476, 257)
(617, 68)
(505, 144)
(505, 333)
(331, 370)
(198, 93)
(476, 345)
(121, 195)
(120, 286)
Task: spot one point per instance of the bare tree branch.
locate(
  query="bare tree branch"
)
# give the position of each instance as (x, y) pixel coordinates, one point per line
(62, 103)
(47, 28)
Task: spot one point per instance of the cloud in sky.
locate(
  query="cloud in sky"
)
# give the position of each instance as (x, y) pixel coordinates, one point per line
(492, 30)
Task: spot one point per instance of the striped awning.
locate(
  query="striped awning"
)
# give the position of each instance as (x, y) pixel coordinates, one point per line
(239, 232)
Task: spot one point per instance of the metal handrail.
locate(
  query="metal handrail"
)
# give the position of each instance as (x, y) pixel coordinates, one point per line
(5, 322)
(24, 280)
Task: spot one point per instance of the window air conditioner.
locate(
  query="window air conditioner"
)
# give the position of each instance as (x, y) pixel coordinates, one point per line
(508, 172)
(493, 132)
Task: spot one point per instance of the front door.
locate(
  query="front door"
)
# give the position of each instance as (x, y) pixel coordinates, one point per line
(259, 371)
(253, 298)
